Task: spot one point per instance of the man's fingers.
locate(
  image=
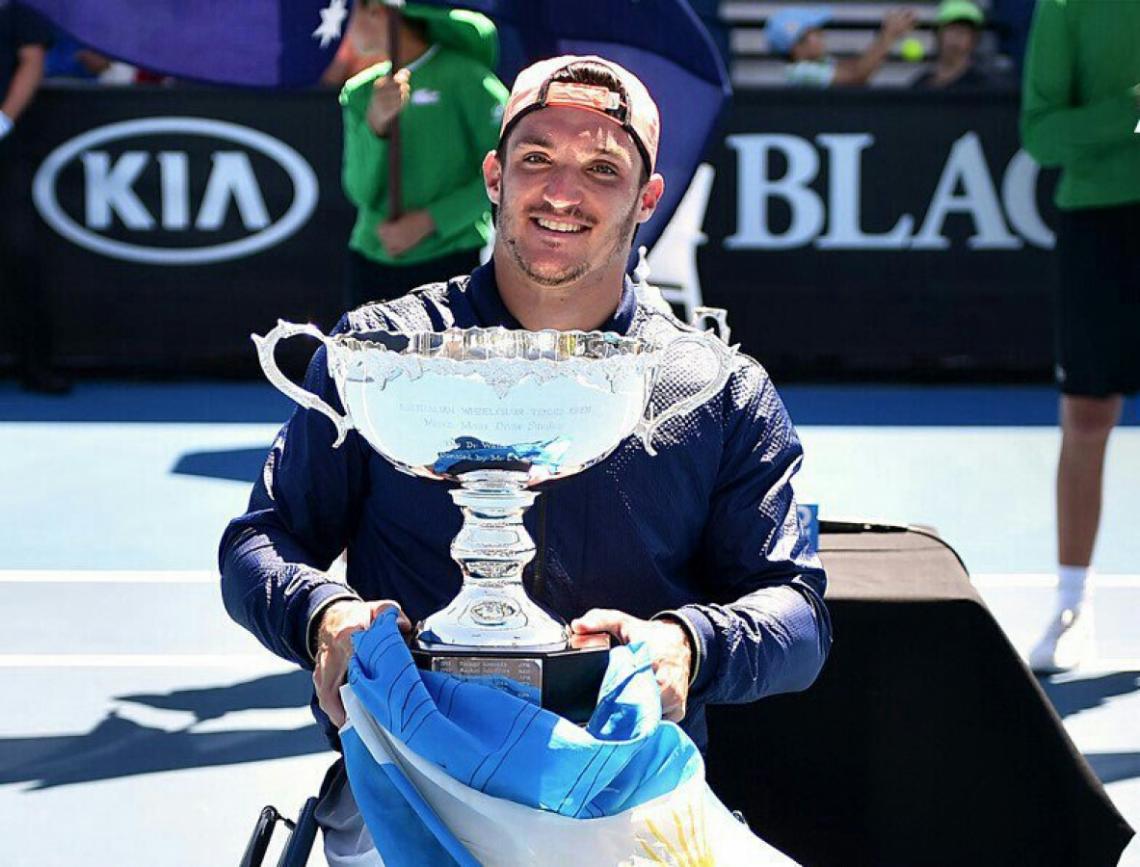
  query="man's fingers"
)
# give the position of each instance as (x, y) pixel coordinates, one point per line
(602, 620)
(672, 705)
(334, 707)
(328, 695)
(379, 607)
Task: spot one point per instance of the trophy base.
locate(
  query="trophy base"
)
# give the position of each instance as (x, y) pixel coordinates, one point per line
(564, 681)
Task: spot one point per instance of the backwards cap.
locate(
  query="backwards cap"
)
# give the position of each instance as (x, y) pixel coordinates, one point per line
(630, 106)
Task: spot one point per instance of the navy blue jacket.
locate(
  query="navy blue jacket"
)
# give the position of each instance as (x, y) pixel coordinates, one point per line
(707, 529)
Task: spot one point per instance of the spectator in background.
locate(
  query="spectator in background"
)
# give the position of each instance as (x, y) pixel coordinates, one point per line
(956, 67)
(24, 39)
(1080, 110)
(70, 58)
(797, 33)
(349, 59)
(449, 104)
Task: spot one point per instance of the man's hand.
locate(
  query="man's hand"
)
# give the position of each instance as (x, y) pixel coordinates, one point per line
(334, 647)
(390, 93)
(898, 23)
(668, 645)
(401, 235)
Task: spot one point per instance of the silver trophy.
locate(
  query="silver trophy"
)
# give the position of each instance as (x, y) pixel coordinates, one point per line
(499, 411)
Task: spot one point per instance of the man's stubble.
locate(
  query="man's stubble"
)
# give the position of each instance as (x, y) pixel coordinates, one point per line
(622, 236)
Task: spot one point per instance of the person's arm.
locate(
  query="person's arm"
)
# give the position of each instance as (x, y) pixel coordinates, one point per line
(273, 559)
(772, 632)
(458, 209)
(32, 34)
(364, 170)
(25, 81)
(482, 107)
(1053, 130)
(858, 70)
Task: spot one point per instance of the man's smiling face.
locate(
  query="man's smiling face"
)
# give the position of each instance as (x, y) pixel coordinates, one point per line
(568, 185)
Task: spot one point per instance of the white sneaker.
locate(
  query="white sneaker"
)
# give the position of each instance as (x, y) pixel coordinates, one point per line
(1067, 642)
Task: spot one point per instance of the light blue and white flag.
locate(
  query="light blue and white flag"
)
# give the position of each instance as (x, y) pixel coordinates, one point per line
(455, 773)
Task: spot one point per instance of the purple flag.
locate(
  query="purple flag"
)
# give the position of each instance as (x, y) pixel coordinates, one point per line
(256, 43)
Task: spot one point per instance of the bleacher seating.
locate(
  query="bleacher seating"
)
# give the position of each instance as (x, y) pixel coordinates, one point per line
(852, 28)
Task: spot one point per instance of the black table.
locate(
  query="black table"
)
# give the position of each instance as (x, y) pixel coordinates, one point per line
(925, 740)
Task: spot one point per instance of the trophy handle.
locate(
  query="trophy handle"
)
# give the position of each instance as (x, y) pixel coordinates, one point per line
(718, 315)
(267, 345)
(648, 424)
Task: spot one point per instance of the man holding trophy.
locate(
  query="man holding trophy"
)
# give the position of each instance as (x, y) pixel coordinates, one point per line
(533, 369)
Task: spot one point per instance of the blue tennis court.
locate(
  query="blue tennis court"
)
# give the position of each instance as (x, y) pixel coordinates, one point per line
(142, 727)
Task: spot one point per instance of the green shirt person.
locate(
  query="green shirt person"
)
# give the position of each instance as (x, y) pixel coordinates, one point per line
(1080, 111)
(449, 104)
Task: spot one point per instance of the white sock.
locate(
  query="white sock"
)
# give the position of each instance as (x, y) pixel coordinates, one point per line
(1071, 581)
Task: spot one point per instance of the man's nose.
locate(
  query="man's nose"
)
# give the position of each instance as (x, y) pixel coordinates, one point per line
(562, 190)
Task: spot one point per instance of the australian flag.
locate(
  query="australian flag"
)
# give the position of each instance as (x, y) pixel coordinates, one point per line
(255, 43)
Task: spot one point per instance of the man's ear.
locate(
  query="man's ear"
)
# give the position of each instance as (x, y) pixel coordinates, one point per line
(493, 177)
(651, 194)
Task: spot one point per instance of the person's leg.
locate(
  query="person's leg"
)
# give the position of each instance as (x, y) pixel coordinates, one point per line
(1092, 346)
(1086, 423)
(347, 842)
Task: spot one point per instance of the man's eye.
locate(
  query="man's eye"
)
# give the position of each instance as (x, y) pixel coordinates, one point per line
(605, 169)
(535, 159)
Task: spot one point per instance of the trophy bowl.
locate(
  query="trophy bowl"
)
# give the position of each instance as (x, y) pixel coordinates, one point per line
(498, 411)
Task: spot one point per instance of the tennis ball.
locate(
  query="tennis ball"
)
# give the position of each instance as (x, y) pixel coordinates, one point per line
(911, 49)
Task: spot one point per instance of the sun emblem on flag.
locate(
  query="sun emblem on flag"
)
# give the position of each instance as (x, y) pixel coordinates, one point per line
(332, 19)
(680, 842)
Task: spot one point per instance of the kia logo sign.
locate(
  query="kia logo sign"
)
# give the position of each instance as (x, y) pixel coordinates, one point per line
(137, 202)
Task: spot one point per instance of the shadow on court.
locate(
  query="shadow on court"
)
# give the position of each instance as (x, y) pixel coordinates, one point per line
(238, 465)
(1111, 767)
(266, 693)
(119, 747)
(1073, 696)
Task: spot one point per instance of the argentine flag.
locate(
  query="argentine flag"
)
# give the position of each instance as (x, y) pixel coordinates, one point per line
(449, 772)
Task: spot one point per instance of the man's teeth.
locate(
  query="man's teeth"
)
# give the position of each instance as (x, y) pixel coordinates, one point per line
(555, 226)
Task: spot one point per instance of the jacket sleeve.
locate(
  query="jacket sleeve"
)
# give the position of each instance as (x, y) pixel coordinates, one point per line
(772, 632)
(273, 559)
(482, 106)
(364, 171)
(1054, 129)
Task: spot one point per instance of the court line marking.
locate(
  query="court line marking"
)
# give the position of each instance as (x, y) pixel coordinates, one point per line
(110, 576)
(1100, 665)
(998, 581)
(264, 661)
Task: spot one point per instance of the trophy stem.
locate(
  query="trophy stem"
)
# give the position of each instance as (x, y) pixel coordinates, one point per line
(493, 544)
(492, 548)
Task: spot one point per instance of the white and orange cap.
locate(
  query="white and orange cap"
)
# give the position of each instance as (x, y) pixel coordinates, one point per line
(631, 107)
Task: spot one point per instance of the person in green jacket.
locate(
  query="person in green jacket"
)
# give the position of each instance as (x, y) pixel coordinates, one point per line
(1080, 111)
(449, 104)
